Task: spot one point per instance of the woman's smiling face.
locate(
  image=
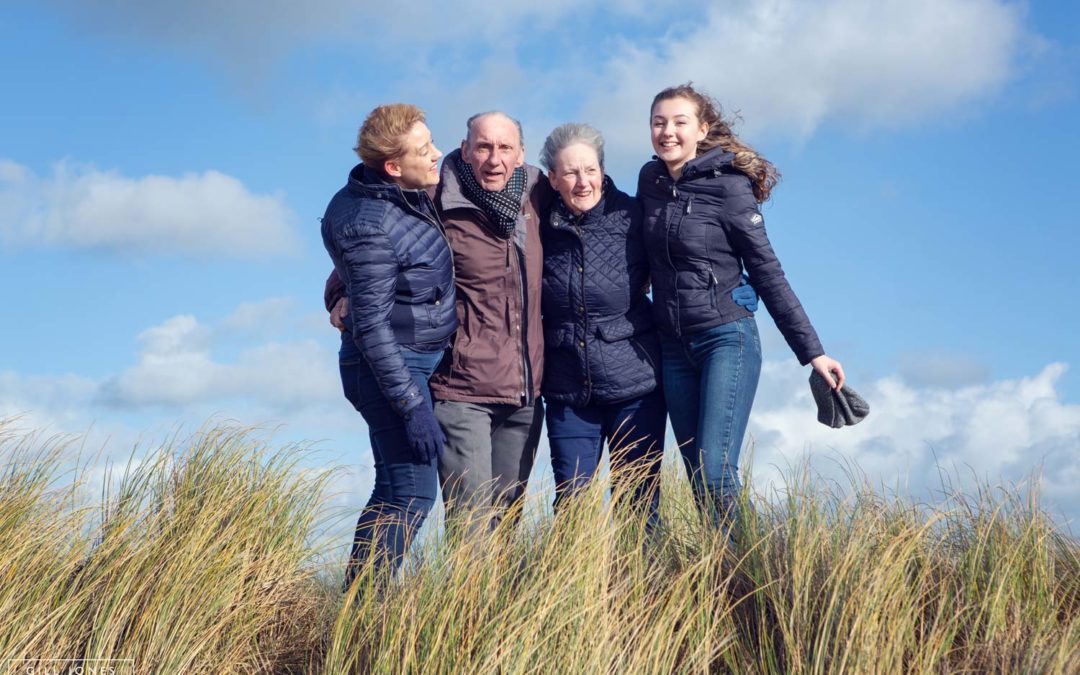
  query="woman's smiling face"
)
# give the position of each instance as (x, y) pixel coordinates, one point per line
(578, 177)
(676, 131)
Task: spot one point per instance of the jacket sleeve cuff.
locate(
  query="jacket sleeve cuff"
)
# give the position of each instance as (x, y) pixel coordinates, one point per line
(405, 403)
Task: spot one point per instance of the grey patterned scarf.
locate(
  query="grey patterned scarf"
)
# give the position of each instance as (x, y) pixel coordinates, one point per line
(503, 207)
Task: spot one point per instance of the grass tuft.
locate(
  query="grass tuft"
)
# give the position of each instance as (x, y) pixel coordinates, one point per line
(205, 556)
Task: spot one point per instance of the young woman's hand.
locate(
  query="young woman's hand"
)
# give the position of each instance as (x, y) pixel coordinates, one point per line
(830, 369)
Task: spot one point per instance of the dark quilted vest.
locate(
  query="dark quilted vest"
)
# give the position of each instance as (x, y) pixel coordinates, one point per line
(600, 345)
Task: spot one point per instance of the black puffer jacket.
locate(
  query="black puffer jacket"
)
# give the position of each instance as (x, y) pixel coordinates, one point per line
(700, 231)
(389, 250)
(600, 344)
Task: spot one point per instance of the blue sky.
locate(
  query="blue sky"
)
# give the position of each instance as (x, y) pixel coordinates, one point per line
(163, 167)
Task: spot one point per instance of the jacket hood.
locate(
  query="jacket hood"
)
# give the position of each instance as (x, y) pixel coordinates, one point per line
(370, 183)
(713, 162)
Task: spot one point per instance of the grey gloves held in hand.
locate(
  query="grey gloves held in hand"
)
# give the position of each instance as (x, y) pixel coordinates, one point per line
(424, 433)
(837, 408)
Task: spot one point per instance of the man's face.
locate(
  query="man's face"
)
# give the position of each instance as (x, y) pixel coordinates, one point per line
(493, 150)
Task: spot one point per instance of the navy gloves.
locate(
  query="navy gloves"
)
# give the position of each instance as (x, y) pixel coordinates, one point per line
(424, 433)
(745, 296)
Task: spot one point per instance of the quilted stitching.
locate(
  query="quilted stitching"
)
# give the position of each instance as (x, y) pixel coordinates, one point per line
(600, 342)
(397, 268)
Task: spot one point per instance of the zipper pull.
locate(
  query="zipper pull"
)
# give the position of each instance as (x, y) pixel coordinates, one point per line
(674, 191)
(690, 204)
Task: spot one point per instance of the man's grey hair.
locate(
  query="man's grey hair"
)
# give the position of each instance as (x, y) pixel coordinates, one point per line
(489, 113)
(567, 134)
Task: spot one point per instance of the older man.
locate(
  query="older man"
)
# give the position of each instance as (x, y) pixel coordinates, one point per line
(488, 389)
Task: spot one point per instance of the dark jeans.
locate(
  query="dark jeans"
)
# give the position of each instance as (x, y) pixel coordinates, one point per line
(405, 488)
(634, 433)
(490, 450)
(710, 379)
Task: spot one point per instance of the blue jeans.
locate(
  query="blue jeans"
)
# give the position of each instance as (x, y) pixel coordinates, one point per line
(634, 432)
(710, 379)
(405, 488)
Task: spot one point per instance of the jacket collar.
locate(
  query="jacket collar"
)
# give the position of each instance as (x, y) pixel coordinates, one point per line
(712, 162)
(560, 213)
(450, 194)
(368, 183)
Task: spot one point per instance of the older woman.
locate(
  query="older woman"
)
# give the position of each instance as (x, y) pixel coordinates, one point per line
(385, 239)
(601, 380)
(702, 228)
(601, 351)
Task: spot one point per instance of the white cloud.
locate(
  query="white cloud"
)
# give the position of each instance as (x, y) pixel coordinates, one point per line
(787, 65)
(44, 401)
(79, 206)
(254, 316)
(791, 66)
(247, 37)
(177, 367)
(184, 373)
(999, 431)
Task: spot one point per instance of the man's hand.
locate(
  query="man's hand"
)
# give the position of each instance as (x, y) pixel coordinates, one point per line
(338, 314)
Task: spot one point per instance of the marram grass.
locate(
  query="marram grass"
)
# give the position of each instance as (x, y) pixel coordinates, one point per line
(208, 557)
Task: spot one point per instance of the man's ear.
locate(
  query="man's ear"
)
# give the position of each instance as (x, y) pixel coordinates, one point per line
(464, 143)
(520, 158)
(392, 168)
(551, 178)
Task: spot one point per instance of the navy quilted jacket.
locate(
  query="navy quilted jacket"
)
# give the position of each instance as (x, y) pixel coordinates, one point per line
(600, 344)
(388, 248)
(700, 231)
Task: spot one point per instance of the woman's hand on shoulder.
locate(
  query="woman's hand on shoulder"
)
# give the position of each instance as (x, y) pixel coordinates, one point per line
(830, 369)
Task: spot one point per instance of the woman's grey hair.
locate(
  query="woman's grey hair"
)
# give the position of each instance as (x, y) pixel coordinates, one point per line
(567, 134)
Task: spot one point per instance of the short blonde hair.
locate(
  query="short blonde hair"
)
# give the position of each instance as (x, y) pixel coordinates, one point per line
(383, 132)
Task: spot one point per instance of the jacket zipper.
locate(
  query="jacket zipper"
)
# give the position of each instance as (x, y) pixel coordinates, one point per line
(526, 393)
(438, 227)
(667, 250)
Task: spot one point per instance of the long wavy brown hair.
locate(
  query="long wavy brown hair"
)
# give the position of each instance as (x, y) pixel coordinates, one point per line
(763, 174)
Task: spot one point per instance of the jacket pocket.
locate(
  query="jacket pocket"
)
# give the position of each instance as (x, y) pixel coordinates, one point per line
(636, 321)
